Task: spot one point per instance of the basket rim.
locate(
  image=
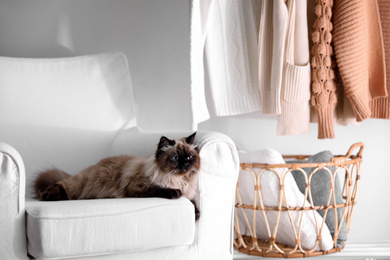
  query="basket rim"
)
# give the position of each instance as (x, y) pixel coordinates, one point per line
(337, 160)
(295, 166)
(284, 208)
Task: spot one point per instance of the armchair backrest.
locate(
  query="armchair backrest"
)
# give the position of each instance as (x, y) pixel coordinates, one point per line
(64, 112)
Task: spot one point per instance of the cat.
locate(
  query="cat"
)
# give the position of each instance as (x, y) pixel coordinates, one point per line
(172, 172)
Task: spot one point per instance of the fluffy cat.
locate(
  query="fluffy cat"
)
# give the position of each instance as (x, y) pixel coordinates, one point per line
(170, 173)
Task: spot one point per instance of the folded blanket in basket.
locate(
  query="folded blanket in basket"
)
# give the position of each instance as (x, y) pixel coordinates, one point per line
(269, 187)
(320, 187)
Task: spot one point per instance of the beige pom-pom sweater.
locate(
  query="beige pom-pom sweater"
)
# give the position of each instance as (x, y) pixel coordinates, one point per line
(324, 92)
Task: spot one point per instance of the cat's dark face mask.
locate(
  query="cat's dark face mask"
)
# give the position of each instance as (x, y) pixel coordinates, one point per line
(178, 157)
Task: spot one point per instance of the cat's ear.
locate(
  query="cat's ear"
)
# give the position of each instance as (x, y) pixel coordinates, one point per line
(190, 139)
(165, 142)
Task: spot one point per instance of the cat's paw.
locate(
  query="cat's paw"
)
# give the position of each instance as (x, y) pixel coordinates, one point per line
(172, 193)
(197, 211)
(53, 193)
(197, 214)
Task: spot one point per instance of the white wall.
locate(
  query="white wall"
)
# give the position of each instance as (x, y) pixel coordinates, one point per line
(154, 35)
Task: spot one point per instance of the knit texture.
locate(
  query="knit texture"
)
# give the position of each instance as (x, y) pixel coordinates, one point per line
(376, 53)
(344, 111)
(232, 56)
(295, 91)
(380, 107)
(271, 42)
(359, 52)
(324, 91)
(295, 116)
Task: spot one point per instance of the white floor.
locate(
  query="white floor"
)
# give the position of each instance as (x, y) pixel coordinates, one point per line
(352, 251)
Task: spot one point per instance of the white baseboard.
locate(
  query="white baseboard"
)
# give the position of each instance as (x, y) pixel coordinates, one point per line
(352, 251)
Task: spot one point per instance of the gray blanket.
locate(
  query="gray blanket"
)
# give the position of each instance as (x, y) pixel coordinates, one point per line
(320, 187)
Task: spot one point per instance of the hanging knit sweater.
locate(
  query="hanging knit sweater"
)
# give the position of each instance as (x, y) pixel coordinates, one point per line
(244, 52)
(324, 92)
(295, 88)
(231, 55)
(380, 107)
(273, 26)
(359, 52)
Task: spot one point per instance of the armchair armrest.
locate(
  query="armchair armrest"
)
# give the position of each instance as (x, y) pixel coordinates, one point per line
(12, 204)
(217, 182)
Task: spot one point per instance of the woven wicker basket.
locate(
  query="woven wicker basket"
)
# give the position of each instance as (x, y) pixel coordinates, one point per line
(246, 241)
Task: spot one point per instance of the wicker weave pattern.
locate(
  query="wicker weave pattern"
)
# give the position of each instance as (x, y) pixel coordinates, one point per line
(246, 240)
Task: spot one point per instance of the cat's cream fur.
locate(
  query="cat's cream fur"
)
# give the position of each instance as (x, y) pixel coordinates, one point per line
(171, 172)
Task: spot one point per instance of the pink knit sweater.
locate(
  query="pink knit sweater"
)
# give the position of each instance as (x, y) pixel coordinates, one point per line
(359, 52)
(380, 107)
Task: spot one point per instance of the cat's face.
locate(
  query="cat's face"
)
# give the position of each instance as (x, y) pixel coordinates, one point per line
(178, 157)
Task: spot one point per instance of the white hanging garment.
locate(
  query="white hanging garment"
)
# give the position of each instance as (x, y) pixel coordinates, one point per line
(295, 90)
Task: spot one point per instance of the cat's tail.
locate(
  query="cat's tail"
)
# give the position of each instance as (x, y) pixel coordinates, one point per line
(46, 179)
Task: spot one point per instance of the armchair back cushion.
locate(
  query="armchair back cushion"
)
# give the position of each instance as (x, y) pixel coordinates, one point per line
(64, 112)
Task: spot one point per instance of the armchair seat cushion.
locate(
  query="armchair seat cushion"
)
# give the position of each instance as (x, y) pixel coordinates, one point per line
(67, 229)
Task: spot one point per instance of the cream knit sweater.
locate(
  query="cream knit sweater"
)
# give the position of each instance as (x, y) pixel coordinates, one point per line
(272, 41)
(231, 55)
(294, 117)
(243, 42)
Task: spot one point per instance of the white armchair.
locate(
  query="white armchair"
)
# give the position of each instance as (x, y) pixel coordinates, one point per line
(70, 113)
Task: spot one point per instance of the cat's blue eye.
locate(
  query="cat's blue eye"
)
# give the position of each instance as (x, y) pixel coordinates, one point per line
(175, 158)
(189, 157)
